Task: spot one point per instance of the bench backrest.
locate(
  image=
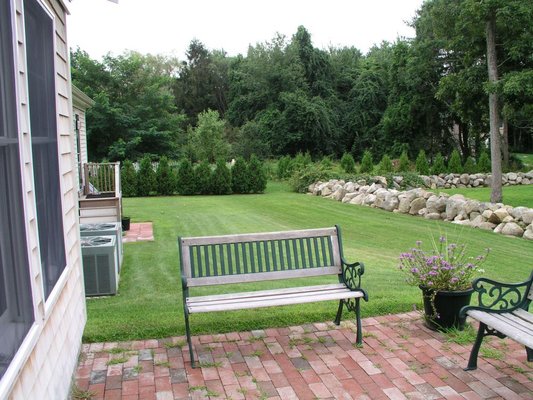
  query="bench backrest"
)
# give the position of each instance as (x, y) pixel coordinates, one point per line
(214, 260)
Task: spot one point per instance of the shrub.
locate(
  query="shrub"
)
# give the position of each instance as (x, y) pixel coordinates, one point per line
(422, 165)
(326, 162)
(484, 164)
(367, 164)
(257, 175)
(128, 179)
(202, 178)
(284, 167)
(146, 182)
(165, 178)
(385, 165)
(439, 166)
(240, 180)
(186, 184)
(404, 165)
(305, 176)
(454, 164)
(470, 166)
(221, 178)
(299, 161)
(348, 163)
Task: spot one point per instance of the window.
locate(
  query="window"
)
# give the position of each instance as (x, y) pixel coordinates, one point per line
(42, 99)
(16, 308)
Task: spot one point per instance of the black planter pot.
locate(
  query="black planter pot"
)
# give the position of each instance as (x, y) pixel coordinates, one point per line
(125, 223)
(447, 307)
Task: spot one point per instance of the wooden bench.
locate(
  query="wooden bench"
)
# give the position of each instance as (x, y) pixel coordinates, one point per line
(218, 260)
(503, 312)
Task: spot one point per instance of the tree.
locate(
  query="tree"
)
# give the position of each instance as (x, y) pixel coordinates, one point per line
(221, 178)
(385, 165)
(454, 163)
(367, 165)
(146, 183)
(439, 166)
(421, 162)
(207, 140)
(348, 163)
(257, 175)
(186, 185)
(240, 177)
(128, 179)
(203, 178)
(484, 164)
(404, 164)
(165, 178)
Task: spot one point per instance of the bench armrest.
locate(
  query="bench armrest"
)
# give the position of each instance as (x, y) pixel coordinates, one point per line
(351, 275)
(499, 297)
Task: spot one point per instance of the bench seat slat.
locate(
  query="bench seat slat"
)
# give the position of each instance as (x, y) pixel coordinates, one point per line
(511, 322)
(300, 289)
(272, 301)
(503, 326)
(263, 276)
(526, 316)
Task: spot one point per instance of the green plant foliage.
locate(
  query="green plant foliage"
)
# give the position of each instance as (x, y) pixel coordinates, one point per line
(186, 184)
(306, 175)
(326, 162)
(207, 139)
(284, 167)
(299, 161)
(165, 178)
(257, 175)
(128, 179)
(146, 182)
(404, 164)
(439, 165)
(240, 177)
(454, 164)
(202, 178)
(385, 165)
(483, 164)
(470, 166)
(221, 178)
(348, 163)
(422, 165)
(367, 164)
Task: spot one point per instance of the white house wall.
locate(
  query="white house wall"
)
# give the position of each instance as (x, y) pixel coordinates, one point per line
(43, 367)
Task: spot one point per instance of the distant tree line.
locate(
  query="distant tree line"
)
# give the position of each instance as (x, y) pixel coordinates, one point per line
(286, 96)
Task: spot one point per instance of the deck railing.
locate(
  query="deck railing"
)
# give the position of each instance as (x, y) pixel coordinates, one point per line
(102, 178)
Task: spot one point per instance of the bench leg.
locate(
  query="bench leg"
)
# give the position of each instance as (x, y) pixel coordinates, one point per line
(359, 335)
(529, 353)
(189, 341)
(472, 361)
(339, 313)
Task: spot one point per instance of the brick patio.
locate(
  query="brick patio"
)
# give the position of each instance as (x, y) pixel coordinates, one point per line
(400, 359)
(139, 232)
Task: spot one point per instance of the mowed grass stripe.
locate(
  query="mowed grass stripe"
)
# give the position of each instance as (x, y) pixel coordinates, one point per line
(149, 303)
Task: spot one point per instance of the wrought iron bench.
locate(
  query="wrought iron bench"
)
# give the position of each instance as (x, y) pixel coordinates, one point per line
(503, 312)
(229, 259)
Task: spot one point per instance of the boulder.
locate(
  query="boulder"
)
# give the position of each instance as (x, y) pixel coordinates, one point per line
(528, 233)
(499, 228)
(374, 187)
(432, 216)
(339, 193)
(326, 191)
(464, 179)
(501, 213)
(436, 204)
(369, 199)
(471, 206)
(349, 196)
(487, 226)
(454, 206)
(358, 200)
(517, 212)
(349, 187)
(512, 229)
(511, 176)
(527, 216)
(416, 205)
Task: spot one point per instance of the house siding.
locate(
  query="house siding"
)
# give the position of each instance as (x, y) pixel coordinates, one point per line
(44, 366)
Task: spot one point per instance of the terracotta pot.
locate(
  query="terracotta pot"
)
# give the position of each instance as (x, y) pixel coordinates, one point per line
(447, 307)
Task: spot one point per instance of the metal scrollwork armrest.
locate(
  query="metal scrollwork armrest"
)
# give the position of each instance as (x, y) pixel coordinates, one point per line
(351, 276)
(500, 297)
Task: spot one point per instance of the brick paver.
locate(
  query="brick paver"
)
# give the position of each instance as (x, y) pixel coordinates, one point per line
(139, 232)
(400, 359)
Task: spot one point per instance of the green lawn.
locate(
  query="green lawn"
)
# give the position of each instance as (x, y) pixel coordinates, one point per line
(512, 195)
(527, 160)
(149, 303)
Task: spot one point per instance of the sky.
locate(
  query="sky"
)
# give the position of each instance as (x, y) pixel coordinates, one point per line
(168, 26)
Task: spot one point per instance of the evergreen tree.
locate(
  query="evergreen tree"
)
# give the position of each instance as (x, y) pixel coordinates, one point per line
(240, 180)
(202, 178)
(484, 164)
(454, 164)
(439, 166)
(348, 163)
(404, 164)
(165, 178)
(385, 165)
(186, 185)
(470, 166)
(367, 165)
(128, 179)
(256, 172)
(422, 165)
(221, 178)
(146, 182)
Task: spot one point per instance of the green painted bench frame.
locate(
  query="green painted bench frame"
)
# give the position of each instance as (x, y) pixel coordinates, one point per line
(228, 259)
(502, 312)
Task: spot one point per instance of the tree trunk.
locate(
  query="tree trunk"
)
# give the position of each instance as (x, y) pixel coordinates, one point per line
(505, 143)
(495, 145)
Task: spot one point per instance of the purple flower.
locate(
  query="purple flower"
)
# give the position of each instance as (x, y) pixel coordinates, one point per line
(454, 280)
(442, 239)
(430, 283)
(433, 273)
(415, 270)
